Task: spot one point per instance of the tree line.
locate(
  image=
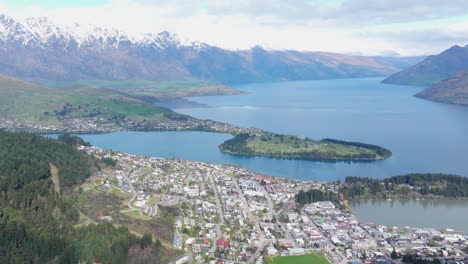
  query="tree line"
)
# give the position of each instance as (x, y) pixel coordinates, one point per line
(238, 144)
(37, 223)
(315, 195)
(445, 185)
(383, 152)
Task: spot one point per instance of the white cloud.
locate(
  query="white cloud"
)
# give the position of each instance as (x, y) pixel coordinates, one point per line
(346, 26)
(343, 12)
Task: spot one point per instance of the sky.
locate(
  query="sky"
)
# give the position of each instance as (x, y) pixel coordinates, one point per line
(361, 27)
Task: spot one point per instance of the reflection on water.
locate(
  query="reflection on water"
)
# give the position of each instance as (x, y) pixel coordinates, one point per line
(436, 213)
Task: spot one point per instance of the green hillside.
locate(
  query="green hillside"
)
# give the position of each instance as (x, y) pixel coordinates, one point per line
(24, 101)
(153, 91)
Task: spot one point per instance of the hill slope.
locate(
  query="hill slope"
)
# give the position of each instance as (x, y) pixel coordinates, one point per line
(453, 90)
(36, 49)
(28, 107)
(434, 68)
(39, 225)
(36, 104)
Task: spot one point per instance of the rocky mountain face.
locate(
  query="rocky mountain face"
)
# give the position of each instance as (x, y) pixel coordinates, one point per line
(434, 68)
(37, 49)
(453, 90)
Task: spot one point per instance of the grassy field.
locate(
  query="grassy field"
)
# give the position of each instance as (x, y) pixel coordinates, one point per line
(302, 259)
(136, 214)
(287, 146)
(25, 101)
(153, 91)
(295, 145)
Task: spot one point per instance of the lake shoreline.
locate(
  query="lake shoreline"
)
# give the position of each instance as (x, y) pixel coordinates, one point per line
(292, 147)
(331, 160)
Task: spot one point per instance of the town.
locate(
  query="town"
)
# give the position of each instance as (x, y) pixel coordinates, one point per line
(101, 125)
(232, 215)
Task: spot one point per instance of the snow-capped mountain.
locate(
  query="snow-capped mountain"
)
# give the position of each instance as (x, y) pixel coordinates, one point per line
(42, 32)
(38, 49)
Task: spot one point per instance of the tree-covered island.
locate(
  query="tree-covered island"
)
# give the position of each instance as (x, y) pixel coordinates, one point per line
(287, 146)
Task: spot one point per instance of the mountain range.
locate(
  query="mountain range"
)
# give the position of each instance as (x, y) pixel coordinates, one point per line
(434, 68)
(445, 74)
(37, 49)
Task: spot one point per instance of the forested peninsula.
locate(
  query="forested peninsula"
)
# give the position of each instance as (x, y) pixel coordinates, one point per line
(287, 146)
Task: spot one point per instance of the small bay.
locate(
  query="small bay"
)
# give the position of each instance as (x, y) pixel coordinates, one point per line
(433, 213)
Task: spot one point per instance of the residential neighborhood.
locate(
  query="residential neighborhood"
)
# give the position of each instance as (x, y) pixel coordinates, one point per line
(101, 125)
(232, 215)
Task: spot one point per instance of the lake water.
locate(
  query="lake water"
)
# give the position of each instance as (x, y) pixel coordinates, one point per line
(439, 214)
(423, 136)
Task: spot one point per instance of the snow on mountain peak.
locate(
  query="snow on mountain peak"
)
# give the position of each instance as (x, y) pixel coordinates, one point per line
(2, 28)
(41, 31)
(42, 28)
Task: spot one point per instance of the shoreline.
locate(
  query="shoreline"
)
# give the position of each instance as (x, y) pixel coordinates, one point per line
(292, 147)
(301, 184)
(331, 160)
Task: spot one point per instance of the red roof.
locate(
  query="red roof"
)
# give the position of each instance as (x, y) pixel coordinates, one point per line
(286, 244)
(226, 243)
(220, 242)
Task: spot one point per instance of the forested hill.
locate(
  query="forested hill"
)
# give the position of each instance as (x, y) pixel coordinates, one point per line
(26, 158)
(37, 220)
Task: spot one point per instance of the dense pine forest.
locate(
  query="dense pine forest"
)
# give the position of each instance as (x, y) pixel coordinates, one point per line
(444, 185)
(37, 221)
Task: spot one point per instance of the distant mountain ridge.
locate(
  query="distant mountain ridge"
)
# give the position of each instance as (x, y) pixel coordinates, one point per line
(37, 49)
(453, 90)
(434, 68)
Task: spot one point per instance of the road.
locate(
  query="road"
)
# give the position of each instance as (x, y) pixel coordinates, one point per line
(134, 193)
(276, 215)
(245, 207)
(218, 203)
(220, 213)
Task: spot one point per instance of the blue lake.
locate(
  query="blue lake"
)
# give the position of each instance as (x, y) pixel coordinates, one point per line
(423, 136)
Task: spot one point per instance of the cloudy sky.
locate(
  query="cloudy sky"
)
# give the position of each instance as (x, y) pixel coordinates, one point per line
(368, 27)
